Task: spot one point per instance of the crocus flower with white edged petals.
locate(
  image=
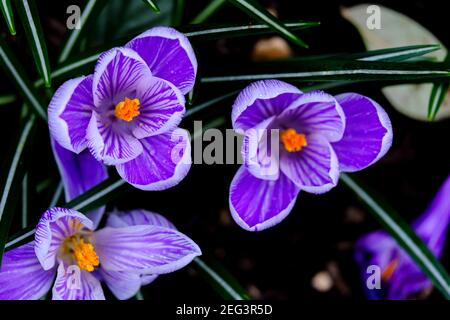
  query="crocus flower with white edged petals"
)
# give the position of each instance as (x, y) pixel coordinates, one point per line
(319, 136)
(129, 252)
(401, 277)
(127, 112)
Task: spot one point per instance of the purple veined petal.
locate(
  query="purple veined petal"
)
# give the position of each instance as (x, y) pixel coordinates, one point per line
(375, 248)
(74, 284)
(261, 100)
(69, 113)
(144, 249)
(22, 276)
(407, 281)
(161, 109)
(169, 56)
(123, 285)
(257, 204)
(432, 225)
(79, 173)
(315, 168)
(165, 161)
(55, 225)
(368, 133)
(315, 112)
(117, 219)
(110, 142)
(260, 150)
(148, 278)
(119, 73)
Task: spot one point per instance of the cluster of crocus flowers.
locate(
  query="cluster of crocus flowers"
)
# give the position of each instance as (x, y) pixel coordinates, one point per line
(130, 251)
(127, 112)
(318, 136)
(401, 278)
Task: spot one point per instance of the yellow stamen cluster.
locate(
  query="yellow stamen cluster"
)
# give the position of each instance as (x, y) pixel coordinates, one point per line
(84, 254)
(292, 140)
(127, 109)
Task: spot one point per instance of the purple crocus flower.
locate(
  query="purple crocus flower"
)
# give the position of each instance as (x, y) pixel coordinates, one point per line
(317, 135)
(126, 113)
(129, 252)
(401, 277)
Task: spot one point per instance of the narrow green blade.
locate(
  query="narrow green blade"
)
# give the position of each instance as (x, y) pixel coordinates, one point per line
(221, 280)
(33, 30)
(11, 185)
(327, 70)
(7, 99)
(253, 9)
(152, 5)
(209, 10)
(404, 235)
(89, 11)
(438, 94)
(214, 32)
(8, 15)
(14, 70)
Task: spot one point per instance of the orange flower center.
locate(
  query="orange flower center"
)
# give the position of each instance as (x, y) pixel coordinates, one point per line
(82, 252)
(389, 270)
(292, 140)
(127, 109)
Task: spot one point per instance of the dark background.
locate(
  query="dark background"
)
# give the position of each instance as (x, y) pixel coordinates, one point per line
(319, 234)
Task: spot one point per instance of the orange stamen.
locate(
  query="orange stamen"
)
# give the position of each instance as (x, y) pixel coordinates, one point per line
(292, 140)
(127, 109)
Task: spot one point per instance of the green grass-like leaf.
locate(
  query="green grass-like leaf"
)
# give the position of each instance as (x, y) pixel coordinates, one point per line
(393, 54)
(90, 11)
(222, 281)
(152, 5)
(209, 10)
(35, 36)
(214, 32)
(328, 70)
(253, 9)
(14, 70)
(438, 94)
(8, 15)
(11, 186)
(404, 235)
(7, 99)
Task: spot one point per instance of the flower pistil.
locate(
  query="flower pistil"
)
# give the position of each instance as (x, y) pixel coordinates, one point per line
(292, 140)
(82, 252)
(127, 109)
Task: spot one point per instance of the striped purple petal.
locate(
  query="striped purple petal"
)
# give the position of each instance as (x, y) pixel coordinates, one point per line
(261, 100)
(165, 161)
(161, 109)
(123, 285)
(258, 204)
(368, 133)
(169, 56)
(137, 217)
(144, 249)
(69, 113)
(315, 113)
(79, 173)
(119, 73)
(314, 168)
(110, 141)
(75, 284)
(260, 150)
(55, 225)
(22, 276)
